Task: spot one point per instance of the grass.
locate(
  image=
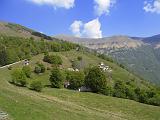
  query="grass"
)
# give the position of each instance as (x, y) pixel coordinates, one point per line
(62, 104)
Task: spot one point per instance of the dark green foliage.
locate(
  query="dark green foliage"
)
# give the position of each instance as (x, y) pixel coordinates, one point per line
(79, 58)
(39, 68)
(36, 85)
(19, 78)
(95, 79)
(53, 59)
(76, 79)
(119, 89)
(13, 49)
(76, 64)
(130, 93)
(105, 57)
(155, 100)
(42, 35)
(107, 90)
(27, 71)
(56, 78)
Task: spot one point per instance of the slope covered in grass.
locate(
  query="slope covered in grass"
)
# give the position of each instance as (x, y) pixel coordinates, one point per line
(62, 104)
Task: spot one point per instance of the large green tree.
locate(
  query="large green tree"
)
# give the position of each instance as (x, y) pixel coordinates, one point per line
(95, 79)
(76, 79)
(57, 78)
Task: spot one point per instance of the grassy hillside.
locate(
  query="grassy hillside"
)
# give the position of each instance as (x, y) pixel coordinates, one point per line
(62, 104)
(16, 30)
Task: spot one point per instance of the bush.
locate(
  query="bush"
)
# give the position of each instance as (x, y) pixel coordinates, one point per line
(155, 100)
(57, 78)
(108, 90)
(27, 71)
(53, 59)
(119, 89)
(79, 58)
(95, 79)
(36, 85)
(37, 69)
(43, 69)
(18, 78)
(76, 79)
(141, 95)
(40, 68)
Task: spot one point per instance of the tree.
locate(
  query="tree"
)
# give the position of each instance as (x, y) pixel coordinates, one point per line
(130, 93)
(119, 89)
(27, 71)
(141, 95)
(95, 79)
(18, 78)
(3, 55)
(76, 79)
(36, 85)
(56, 78)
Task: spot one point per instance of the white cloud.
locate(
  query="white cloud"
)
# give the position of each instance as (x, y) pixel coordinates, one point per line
(152, 7)
(55, 3)
(76, 28)
(103, 6)
(92, 29)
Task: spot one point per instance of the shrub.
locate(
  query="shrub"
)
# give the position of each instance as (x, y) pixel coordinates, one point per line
(79, 58)
(155, 100)
(119, 89)
(40, 68)
(43, 69)
(57, 78)
(108, 90)
(27, 71)
(19, 78)
(53, 59)
(141, 95)
(36, 85)
(95, 79)
(37, 69)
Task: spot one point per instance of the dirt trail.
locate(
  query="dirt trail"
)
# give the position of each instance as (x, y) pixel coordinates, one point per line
(11, 64)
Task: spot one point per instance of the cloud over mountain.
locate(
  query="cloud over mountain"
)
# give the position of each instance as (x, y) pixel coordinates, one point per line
(91, 29)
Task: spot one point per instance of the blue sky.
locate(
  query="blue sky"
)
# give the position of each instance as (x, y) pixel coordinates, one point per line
(122, 17)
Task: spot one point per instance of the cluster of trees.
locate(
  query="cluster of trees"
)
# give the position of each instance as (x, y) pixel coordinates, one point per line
(53, 59)
(96, 80)
(13, 49)
(20, 78)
